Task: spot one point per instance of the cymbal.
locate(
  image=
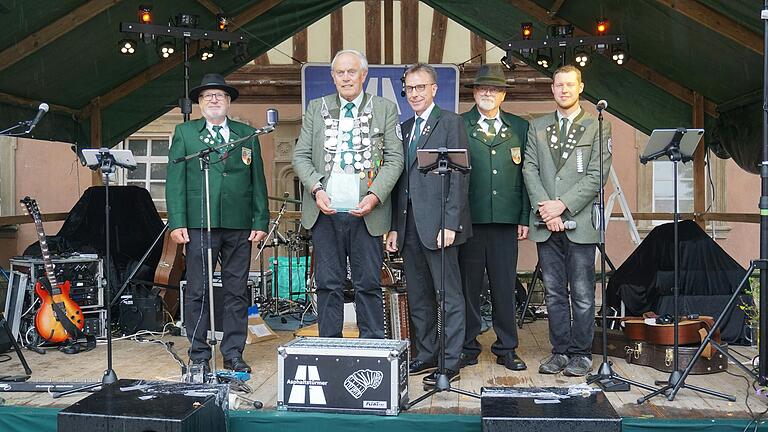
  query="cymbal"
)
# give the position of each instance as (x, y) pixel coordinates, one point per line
(286, 199)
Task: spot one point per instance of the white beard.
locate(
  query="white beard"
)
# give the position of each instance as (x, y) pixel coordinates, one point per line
(486, 104)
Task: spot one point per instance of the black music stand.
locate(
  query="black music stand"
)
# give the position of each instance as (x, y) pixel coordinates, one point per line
(442, 161)
(676, 145)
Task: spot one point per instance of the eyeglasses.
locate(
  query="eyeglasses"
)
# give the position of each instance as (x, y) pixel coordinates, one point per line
(418, 88)
(341, 73)
(489, 89)
(209, 96)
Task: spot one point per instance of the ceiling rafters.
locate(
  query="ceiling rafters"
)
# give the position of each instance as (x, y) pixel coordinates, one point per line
(211, 6)
(643, 71)
(717, 22)
(32, 104)
(160, 68)
(34, 42)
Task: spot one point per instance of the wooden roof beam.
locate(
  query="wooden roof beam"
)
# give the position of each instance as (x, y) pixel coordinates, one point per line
(211, 6)
(717, 22)
(34, 42)
(160, 68)
(670, 86)
(32, 104)
(439, 30)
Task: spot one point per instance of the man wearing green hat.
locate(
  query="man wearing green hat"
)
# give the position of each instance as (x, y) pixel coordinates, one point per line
(239, 217)
(500, 209)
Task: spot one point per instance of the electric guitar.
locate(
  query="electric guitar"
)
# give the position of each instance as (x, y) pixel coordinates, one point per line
(56, 303)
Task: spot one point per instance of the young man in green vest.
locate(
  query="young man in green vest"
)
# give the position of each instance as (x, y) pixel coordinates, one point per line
(500, 209)
(239, 217)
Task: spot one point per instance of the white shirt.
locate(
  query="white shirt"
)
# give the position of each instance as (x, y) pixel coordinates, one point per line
(425, 116)
(569, 119)
(224, 129)
(484, 125)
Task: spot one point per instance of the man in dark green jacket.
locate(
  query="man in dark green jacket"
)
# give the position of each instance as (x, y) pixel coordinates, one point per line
(500, 209)
(239, 217)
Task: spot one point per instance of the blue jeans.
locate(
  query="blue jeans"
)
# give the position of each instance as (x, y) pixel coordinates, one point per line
(566, 264)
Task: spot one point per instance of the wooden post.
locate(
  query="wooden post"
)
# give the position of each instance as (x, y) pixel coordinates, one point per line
(389, 33)
(699, 171)
(373, 31)
(337, 31)
(409, 38)
(477, 46)
(437, 44)
(300, 46)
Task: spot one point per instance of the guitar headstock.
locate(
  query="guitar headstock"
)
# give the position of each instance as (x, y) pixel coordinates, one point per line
(30, 205)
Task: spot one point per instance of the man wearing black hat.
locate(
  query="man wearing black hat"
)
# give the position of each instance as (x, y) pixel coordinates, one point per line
(239, 217)
(500, 209)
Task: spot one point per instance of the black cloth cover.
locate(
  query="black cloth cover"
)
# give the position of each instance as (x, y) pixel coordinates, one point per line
(708, 277)
(134, 223)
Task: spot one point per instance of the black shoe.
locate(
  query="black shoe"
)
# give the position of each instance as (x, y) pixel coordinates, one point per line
(237, 364)
(431, 379)
(467, 360)
(511, 361)
(204, 362)
(418, 367)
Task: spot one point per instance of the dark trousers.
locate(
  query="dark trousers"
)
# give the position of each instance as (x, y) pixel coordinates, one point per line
(568, 268)
(492, 248)
(337, 238)
(422, 276)
(234, 250)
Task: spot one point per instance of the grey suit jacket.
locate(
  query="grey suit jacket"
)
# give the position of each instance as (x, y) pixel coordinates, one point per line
(442, 129)
(309, 158)
(576, 182)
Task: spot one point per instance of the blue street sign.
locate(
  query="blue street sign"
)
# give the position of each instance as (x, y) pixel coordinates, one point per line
(384, 81)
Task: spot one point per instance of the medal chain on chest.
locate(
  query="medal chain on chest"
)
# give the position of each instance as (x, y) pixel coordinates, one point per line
(349, 140)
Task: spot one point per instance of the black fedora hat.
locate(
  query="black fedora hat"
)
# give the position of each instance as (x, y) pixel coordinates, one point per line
(490, 75)
(213, 81)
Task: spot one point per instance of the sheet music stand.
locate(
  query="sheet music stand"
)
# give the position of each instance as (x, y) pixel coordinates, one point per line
(676, 145)
(442, 161)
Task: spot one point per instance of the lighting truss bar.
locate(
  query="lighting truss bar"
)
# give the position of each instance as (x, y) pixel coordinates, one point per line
(183, 32)
(576, 41)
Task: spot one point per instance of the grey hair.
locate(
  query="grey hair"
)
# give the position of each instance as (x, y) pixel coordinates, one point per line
(422, 67)
(361, 56)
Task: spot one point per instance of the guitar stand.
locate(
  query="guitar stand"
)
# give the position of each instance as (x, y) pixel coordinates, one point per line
(27, 370)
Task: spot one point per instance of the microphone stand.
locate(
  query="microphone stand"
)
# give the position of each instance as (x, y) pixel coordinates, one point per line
(606, 378)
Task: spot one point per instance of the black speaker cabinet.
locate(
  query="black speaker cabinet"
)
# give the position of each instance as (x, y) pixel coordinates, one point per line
(149, 406)
(546, 409)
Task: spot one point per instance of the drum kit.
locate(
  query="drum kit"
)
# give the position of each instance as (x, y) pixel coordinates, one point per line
(302, 303)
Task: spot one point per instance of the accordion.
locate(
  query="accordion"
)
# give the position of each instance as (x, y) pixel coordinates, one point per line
(396, 316)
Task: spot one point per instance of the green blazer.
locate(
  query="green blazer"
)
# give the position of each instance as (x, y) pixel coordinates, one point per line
(238, 190)
(574, 179)
(386, 139)
(496, 189)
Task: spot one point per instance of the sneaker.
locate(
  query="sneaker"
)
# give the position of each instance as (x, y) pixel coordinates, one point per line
(578, 366)
(554, 364)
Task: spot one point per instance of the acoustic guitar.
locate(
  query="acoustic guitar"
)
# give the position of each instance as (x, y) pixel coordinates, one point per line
(168, 273)
(56, 303)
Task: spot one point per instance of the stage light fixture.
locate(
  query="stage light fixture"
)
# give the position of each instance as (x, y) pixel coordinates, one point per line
(145, 14)
(602, 27)
(223, 22)
(187, 20)
(206, 53)
(526, 30)
(619, 55)
(507, 63)
(562, 31)
(581, 56)
(544, 58)
(127, 46)
(166, 49)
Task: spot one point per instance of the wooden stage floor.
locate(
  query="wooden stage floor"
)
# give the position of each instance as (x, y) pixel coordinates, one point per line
(145, 360)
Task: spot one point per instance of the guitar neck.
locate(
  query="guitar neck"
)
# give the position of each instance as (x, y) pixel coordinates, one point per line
(49, 271)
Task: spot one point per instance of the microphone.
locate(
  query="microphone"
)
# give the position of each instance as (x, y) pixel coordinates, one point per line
(272, 117)
(569, 224)
(42, 109)
(602, 104)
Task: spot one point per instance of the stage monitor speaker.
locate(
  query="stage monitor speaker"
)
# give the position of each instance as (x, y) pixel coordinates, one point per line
(143, 406)
(549, 409)
(141, 313)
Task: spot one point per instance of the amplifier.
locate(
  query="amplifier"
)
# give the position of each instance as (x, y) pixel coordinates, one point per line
(95, 323)
(365, 376)
(551, 409)
(138, 406)
(83, 272)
